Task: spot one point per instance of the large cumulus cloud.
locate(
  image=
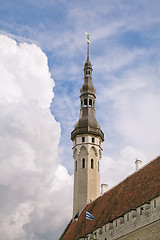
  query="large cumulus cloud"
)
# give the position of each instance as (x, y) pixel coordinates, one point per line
(32, 180)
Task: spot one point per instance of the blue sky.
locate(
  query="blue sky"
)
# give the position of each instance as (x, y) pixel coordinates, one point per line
(124, 51)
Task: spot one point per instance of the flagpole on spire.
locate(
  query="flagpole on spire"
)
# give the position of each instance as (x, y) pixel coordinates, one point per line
(88, 41)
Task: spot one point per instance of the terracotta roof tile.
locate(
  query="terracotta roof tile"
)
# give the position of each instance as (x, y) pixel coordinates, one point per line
(134, 191)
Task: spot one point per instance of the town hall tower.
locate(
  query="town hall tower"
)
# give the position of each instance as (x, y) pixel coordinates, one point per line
(87, 138)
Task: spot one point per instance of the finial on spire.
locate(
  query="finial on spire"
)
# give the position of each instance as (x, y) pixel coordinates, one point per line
(87, 46)
(87, 37)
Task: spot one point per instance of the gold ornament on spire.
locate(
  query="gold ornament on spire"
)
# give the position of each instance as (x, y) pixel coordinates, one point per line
(87, 37)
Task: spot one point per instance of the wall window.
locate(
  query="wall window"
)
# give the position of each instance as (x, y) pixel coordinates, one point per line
(88, 73)
(76, 166)
(154, 203)
(85, 102)
(92, 163)
(90, 102)
(98, 166)
(93, 140)
(83, 139)
(127, 217)
(81, 103)
(83, 162)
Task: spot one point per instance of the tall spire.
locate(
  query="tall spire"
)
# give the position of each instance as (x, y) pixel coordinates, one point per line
(87, 121)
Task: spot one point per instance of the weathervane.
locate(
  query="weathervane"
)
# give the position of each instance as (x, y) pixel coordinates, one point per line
(87, 37)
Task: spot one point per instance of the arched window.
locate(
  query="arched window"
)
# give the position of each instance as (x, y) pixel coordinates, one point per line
(83, 162)
(92, 163)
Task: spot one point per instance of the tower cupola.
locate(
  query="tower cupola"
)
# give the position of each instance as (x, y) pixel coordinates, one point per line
(87, 122)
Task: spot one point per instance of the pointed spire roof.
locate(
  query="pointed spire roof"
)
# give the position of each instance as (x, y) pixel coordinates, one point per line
(87, 86)
(87, 123)
(88, 63)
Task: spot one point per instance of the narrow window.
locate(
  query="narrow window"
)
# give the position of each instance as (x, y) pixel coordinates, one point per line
(93, 140)
(98, 166)
(127, 217)
(92, 163)
(83, 139)
(90, 102)
(76, 166)
(83, 162)
(154, 203)
(85, 102)
(81, 103)
(116, 223)
(89, 72)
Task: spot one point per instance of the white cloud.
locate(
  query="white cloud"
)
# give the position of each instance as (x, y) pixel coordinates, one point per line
(31, 178)
(115, 170)
(24, 73)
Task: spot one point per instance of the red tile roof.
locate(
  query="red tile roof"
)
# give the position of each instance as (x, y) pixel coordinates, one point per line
(135, 190)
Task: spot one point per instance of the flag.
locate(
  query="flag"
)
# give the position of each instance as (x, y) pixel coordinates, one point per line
(89, 215)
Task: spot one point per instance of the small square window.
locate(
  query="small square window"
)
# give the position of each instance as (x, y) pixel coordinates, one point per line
(83, 139)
